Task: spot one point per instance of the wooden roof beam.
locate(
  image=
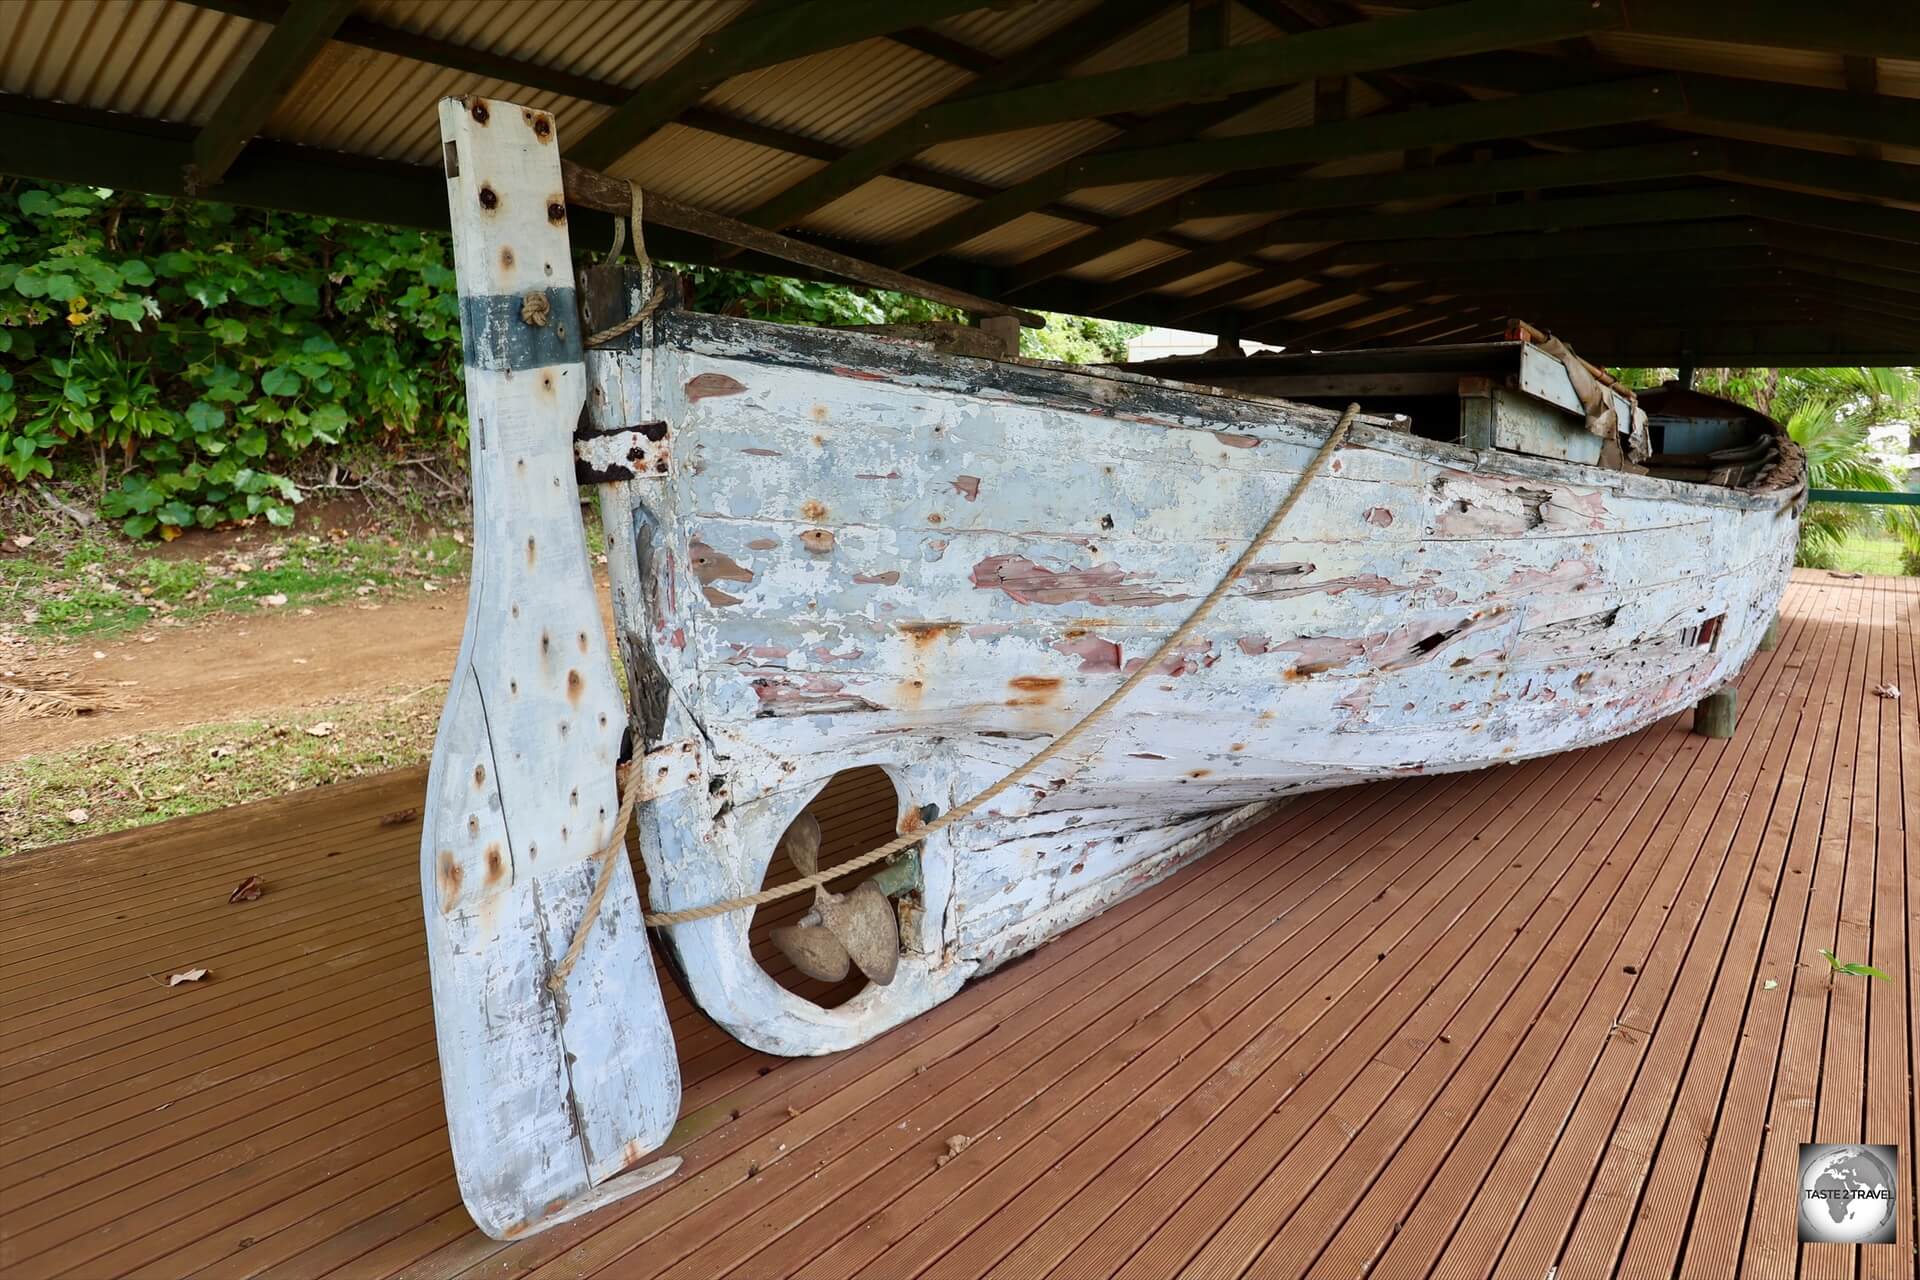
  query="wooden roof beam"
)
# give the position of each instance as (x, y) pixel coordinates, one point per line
(1398, 131)
(1869, 27)
(1586, 106)
(1858, 115)
(1685, 157)
(1466, 27)
(762, 38)
(1626, 164)
(249, 102)
(1480, 24)
(1046, 58)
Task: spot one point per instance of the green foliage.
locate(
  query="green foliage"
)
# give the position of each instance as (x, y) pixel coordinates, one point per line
(201, 350)
(1078, 339)
(1830, 412)
(1852, 968)
(786, 301)
(193, 356)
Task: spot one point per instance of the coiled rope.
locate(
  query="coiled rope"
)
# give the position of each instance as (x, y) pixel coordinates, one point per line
(1146, 671)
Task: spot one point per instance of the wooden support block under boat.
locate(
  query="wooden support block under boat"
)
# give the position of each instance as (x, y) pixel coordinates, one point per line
(1717, 715)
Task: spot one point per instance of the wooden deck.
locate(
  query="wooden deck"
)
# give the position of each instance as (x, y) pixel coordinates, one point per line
(1491, 1023)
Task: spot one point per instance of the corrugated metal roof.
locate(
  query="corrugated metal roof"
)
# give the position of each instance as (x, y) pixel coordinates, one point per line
(161, 59)
(1005, 29)
(845, 95)
(1005, 159)
(376, 104)
(619, 41)
(713, 172)
(369, 93)
(1025, 237)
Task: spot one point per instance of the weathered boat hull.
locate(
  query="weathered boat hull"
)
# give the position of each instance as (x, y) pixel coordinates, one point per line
(864, 555)
(828, 551)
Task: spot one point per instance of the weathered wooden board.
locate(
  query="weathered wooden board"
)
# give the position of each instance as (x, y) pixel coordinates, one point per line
(552, 1097)
(864, 554)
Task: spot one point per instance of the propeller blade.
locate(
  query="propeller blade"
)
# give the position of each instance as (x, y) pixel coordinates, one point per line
(867, 930)
(813, 950)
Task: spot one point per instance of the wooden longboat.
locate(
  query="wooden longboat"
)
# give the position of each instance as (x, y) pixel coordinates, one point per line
(831, 550)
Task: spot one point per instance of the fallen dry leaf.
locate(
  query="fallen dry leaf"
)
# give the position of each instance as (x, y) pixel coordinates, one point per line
(191, 975)
(399, 817)
(1769, 984)
(955, 1145)
(274, 601)
(76, 816)
(1886, 690)
(1846, 576)
(322, 729)
(247, 890)
(23, 540)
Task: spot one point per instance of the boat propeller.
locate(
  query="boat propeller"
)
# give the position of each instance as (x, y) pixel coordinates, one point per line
(841, 930)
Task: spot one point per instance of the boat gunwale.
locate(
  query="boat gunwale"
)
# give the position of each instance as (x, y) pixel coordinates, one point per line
(828, 352)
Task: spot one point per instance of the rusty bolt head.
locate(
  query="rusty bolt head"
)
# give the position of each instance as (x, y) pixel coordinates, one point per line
(542, 128)
(489, 198)
(479, 112)
(556, 211)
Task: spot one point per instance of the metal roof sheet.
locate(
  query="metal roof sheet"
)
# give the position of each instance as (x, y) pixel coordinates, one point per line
(163, 67)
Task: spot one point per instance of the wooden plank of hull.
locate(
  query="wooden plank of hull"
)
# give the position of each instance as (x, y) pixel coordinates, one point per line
(552, 1097)
(871, 556)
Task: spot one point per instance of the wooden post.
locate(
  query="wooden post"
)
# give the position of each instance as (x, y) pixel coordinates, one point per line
(1003, 329)
(1717, 714)
(1771, 640)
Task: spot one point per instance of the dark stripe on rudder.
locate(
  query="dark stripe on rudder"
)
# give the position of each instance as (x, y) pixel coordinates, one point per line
(493, 335)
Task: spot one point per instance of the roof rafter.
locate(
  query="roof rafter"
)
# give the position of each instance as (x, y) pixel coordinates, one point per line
(1397, 131)
(1469, 26)
(1077, 40)
(1328, 51)
(289, 49)
(762, 38)
(1837, 26)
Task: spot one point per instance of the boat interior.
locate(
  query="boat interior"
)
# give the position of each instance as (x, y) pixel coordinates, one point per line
(1519, 395)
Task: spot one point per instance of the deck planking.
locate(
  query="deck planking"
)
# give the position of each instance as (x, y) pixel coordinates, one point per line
(1510, 1023)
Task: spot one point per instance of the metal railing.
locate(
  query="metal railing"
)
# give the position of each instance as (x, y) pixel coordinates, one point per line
(1866, 497)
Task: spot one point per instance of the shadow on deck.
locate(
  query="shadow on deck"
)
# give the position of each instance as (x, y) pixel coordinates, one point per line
(1495, 1022)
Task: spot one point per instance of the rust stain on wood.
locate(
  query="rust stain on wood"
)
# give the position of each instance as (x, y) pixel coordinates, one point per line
(704, 385)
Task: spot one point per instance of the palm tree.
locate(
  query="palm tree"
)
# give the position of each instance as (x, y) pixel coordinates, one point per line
(1831, 412)
(1839, 457)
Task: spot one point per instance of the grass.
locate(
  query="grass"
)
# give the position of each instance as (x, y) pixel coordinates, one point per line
(149, 777)
(1871, 553)
(95, 584)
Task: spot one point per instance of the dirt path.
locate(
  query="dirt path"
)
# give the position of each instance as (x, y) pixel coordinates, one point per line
(233, 667)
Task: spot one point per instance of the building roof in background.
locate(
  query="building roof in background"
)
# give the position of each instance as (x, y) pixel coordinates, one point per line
(1653, 179)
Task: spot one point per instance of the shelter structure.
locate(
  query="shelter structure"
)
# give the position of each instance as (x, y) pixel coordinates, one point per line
(1657, 181)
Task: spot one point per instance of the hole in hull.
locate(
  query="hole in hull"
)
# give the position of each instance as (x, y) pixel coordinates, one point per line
(856, 811)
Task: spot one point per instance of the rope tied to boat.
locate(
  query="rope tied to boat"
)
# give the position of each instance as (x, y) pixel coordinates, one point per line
(636, 202)
(630, 788)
